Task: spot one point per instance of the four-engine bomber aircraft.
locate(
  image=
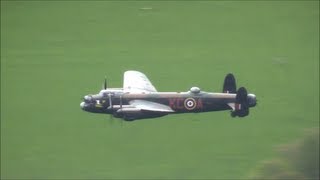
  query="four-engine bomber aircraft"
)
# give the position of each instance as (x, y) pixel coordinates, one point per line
(139, 99)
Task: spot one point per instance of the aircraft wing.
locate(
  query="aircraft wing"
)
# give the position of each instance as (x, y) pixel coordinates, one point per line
(137, 82)
(150, 106)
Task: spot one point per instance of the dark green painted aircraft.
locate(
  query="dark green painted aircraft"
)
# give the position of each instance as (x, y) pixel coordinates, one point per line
(139, 99)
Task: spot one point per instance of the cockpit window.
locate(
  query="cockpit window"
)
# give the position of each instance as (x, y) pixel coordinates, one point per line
(88, 98)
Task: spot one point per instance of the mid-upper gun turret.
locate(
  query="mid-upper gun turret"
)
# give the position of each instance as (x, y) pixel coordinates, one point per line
(195, 90)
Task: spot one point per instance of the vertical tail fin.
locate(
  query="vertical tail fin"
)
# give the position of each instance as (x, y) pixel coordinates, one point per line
(229, 85)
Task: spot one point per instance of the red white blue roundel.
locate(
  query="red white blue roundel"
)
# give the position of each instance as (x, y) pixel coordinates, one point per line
(190, 103)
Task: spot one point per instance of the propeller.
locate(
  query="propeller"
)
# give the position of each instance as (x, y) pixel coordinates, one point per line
(105, 83)
(110, 100)
(121, 108)
(110, 104)
(120, 101)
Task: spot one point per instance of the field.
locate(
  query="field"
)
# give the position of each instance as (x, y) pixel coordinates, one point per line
(55, 52)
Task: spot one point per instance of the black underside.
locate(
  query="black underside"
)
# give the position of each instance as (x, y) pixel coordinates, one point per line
(138, 116)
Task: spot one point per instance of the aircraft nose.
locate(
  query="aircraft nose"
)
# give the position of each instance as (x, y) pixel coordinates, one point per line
(82, 105)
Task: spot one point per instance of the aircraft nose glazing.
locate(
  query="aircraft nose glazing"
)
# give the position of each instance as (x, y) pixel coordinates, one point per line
(82, 105)
(88, 98)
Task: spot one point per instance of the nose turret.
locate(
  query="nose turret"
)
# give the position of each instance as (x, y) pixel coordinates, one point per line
(88, 98)
(82, 104)
(92, 103)
(87, 101)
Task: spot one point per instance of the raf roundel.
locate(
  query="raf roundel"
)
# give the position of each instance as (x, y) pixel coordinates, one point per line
(190, 103)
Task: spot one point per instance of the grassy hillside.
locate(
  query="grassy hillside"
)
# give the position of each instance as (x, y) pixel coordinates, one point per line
(54, 53)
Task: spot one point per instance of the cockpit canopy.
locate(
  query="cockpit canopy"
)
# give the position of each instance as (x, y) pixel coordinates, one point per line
(106, 92)
(88, 98)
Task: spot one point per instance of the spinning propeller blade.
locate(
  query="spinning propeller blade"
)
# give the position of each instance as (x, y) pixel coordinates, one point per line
(110, 102)
(105, 83)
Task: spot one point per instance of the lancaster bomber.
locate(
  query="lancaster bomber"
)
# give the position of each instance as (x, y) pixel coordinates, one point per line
(139, 99)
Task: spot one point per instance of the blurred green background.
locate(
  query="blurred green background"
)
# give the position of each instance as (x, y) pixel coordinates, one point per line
(55, 52)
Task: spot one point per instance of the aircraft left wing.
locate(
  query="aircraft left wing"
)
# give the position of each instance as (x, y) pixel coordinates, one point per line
(137, 82)
(150, 106)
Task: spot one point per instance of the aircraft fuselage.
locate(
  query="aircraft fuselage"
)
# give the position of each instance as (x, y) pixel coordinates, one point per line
(139, 99)
(184, 102)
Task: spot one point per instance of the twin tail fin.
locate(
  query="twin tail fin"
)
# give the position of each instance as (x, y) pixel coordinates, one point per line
(241, 105)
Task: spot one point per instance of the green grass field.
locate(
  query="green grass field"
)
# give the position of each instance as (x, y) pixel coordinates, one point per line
(54, 53)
